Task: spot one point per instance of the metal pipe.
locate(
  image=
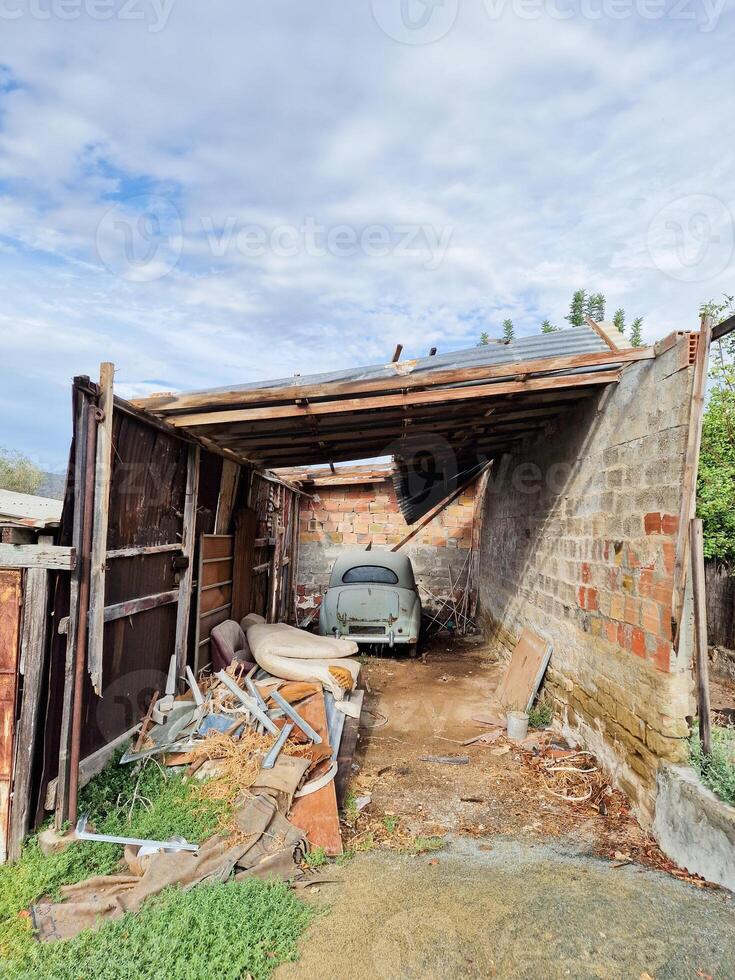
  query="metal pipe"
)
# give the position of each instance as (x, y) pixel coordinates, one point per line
(82, 626)
(296, 717)
(270, 759)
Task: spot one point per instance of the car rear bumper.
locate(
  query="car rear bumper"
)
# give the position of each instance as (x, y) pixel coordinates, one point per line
(386, 639)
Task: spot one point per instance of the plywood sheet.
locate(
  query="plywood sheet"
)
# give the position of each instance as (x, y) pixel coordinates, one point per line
(525, 672)
(317, 814)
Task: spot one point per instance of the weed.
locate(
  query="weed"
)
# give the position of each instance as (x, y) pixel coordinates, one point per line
(316, 858)
(717, 770)
(230, 930)
(351, 813)
(390, 823)
(422, 845)
(132, 801)
(541, 713)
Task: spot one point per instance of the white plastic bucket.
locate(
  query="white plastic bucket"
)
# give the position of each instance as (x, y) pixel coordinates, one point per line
(517, 722)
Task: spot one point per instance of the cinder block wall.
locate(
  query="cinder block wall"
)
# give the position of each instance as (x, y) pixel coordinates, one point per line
(342, 517)
(578, 543)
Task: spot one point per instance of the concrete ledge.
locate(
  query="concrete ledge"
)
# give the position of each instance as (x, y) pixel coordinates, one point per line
(693, 827)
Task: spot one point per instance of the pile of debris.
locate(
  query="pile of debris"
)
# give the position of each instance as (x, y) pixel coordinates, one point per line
(277, 748)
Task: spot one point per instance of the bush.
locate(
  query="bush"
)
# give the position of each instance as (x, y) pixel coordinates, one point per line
(717, 770)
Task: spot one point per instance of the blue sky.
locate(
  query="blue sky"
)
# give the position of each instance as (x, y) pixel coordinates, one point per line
(215, 193)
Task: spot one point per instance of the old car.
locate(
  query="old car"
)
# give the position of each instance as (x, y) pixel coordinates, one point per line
(372, 598)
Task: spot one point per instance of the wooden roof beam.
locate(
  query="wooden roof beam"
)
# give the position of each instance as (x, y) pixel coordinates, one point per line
(406, 400)
(407, 378)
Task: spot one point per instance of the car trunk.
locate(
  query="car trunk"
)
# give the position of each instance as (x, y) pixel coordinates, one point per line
(371, 609)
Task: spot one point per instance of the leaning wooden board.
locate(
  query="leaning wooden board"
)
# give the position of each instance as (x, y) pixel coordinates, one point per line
(316, 814)
(525, 672)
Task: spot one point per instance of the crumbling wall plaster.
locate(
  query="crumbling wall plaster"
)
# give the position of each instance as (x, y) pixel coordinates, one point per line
(578, 543)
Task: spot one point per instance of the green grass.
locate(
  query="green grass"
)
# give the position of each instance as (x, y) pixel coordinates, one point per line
(316, 858)
(423, 845)
(221, 931)
(717, 771)
(541, 714)
(162, 806)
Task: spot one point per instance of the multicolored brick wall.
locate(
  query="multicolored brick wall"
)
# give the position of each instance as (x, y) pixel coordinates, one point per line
(351, 516)
(579, 540)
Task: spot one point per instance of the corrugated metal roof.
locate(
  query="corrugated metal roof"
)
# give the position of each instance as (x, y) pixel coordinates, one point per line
(562, 343)
(27, 510)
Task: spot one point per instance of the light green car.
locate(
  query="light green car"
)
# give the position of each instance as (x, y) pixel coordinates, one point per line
(372, 598)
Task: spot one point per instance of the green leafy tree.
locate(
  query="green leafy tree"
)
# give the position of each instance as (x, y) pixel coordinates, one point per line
(596, 306)
(508, 331)
(18, 473)
(577, 308)
(548, 327)
(619, 320)
(716, 479)
(484, 339)
(636, 335)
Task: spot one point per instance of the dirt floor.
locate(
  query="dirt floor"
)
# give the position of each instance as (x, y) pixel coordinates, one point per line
(515, 910)
(526, 884)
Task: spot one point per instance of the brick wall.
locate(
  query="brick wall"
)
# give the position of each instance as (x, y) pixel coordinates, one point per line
(579, 544)
(341, 517)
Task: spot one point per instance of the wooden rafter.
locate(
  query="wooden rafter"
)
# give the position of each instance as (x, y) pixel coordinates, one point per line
(404, 377)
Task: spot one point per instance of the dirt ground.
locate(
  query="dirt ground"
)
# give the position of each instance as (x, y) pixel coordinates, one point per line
(415, 710)
(526, 885)
(516, 910)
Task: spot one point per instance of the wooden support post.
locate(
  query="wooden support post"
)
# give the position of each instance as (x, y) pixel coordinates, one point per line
(32, 655)
(691, 467)
(434, 512)
(272, 614)
(82, 632)
(700, 622)
(187, 576)
(80, 450)
(103, 470)
(226, 499)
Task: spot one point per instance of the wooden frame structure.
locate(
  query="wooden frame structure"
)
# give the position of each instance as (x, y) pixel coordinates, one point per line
(486, 406)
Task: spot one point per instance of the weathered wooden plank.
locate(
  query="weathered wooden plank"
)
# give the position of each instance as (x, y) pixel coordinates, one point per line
(403, 379)
(10, 619)
(143, 550)
(37, 556)
(32, 654)
(700, 623)
(691, 468)
(365, 404)
(103, 471)
(187, 576)
(132, 607)
(244, 550)
(226, 499)
(81, 426)
(316, 814)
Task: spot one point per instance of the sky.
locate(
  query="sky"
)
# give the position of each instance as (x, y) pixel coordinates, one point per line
(222, 192)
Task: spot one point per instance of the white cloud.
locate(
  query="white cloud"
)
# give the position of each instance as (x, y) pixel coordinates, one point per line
(549, 149)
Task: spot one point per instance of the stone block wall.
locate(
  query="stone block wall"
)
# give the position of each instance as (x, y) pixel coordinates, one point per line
(339, 517)
(578, 543)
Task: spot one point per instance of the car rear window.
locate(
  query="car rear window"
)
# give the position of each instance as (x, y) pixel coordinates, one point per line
(370, 573)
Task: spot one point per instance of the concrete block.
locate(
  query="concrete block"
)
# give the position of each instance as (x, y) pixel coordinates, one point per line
(693, 827)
